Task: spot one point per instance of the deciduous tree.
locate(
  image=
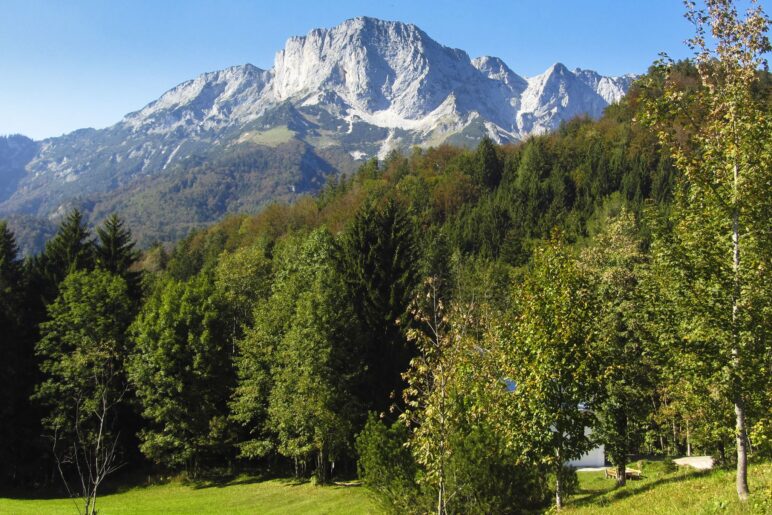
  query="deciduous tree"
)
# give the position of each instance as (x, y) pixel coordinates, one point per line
(718, 133)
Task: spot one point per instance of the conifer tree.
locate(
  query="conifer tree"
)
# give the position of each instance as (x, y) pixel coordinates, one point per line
(13, 358)
(114, 252)
(488, 166)
(71, 249)
(380, 262)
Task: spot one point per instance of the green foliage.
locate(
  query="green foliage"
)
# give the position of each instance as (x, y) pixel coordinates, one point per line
(488, 166)
(114, 252)
(181, 371)
(15, 360)
(379, 261)
(550, 357)
(242, 280)
(627, 371)
(487, 478)
(69, 250)
(386, 465)
(574, 280)
(86, 328)
(717, 130)
(296, 367)
(311, 407)
(84, 384)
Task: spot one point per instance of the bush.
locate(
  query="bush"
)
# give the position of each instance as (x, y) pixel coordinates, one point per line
(387, 467)
(482, 477)
(485, 478)
(569, 482)
(657, 468)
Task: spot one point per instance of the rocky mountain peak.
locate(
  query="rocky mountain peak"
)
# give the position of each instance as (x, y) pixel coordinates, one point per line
(350, 92)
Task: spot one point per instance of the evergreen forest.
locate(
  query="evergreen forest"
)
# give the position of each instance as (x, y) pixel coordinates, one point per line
(444, 324)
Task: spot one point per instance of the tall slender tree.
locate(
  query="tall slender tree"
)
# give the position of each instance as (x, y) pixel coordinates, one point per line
(718, 134)
(71, 249)
(615, 262)
(72, 246)
(312, 407)
(379, 259)
(14, 358)
(488, 166)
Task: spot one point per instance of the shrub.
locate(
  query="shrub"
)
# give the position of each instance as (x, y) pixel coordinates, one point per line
(386, 466)
(485, 478)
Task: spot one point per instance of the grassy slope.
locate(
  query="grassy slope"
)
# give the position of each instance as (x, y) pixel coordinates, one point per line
(245, 496)
(683, 491)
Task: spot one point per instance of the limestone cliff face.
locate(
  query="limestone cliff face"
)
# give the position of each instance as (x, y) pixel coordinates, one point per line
(359, 89)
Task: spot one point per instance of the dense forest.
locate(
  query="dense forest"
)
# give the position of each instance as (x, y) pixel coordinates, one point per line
(443, 324)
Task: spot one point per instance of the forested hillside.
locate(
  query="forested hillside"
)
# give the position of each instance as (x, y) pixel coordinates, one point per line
(443, 324)
(233, 140)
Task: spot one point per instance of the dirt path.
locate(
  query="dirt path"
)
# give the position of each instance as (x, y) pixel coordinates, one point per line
(698, 462)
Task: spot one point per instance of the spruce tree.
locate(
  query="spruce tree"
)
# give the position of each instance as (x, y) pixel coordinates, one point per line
(379, 259)
(71, 249)
(114, 252)
(488, 166)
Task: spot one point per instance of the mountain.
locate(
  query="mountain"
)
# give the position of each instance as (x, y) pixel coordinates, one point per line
(238, 138)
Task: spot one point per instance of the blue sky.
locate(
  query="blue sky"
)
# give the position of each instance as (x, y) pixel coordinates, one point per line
(85, 63)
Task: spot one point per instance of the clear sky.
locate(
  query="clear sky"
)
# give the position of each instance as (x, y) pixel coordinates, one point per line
(68, 64)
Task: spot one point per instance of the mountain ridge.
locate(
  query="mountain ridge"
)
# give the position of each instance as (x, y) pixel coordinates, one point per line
(354, 91)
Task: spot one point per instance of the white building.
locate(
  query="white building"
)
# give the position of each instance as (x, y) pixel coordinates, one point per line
(593, 458)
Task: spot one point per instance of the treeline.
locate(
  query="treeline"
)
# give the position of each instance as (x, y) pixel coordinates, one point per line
(444, 324)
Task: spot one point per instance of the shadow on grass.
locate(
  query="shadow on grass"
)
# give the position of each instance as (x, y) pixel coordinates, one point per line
(223, 481)
(33, 494)
(226, 480)
(616, 493)
(119, 483)
(124, 483)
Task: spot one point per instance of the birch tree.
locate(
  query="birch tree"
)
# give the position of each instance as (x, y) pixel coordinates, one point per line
(718, 134)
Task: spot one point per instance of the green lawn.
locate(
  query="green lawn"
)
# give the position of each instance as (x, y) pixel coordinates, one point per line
(240, 496)
(682, 491)
(671, 493)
